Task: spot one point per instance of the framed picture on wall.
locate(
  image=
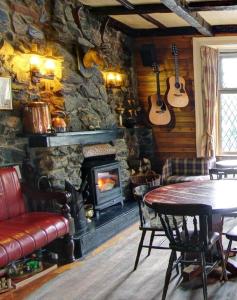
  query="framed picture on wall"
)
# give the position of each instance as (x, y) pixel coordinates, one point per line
(5, 93)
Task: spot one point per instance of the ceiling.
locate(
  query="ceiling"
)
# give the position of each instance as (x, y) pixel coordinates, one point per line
(141, 17)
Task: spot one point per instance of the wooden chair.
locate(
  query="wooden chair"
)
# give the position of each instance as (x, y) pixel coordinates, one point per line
(149, 222)
(194, 237)
(231, 235)
(224, 174)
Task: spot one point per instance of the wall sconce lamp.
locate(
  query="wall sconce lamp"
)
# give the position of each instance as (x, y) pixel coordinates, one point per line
(113, 79)
(42, 67)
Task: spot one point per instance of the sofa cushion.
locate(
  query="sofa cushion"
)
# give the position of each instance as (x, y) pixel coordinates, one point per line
(177, 179)
(28, 232)
(11, 199)
(190, 166)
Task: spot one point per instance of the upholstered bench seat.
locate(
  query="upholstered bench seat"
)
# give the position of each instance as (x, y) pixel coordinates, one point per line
(23, 232)
(177, 170)
(177, 179)
(28, 232)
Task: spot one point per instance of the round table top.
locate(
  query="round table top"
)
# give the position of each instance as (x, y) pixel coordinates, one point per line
(221, 195)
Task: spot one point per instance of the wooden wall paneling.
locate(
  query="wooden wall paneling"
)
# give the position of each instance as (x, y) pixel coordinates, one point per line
(179, 140)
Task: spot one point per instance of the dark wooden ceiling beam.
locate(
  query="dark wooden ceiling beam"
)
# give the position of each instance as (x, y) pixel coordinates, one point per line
(121, 27)
(172, 31)
(138, 9)
(221, 5)
(131, 7)
(192, 18)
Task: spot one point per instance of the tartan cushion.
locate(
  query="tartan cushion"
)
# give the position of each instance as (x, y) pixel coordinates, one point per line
(177, 179)
(190, 166)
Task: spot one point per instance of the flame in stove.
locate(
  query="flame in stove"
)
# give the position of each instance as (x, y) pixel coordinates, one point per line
(106, 184)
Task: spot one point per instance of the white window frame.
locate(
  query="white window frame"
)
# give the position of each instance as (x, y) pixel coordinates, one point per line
(221, 42)
(221, 90)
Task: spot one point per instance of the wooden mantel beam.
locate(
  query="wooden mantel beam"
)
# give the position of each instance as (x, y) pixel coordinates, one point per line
(146, 17)
(192, 18)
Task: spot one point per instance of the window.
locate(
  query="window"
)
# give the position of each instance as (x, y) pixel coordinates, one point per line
(227, 105)
(224, 44)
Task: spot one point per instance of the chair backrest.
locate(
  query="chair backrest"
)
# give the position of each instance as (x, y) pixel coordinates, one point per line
(196, 221)
(11, 198)
(147, 215)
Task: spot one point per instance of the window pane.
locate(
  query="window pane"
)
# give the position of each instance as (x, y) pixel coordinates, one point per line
(228, 72)
(228, 125)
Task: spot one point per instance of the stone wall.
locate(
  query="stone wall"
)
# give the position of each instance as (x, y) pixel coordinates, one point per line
(64, 29)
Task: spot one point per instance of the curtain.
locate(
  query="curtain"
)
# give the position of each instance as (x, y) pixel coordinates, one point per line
(209, 58)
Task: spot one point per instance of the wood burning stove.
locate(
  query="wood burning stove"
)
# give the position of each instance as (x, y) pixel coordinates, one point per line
(103, 183)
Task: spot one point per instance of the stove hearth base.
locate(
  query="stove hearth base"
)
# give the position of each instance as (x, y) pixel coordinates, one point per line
(112, 220)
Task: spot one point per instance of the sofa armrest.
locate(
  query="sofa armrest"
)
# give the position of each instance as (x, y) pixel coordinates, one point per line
(166, 170)
(45, 201)
(56, 201)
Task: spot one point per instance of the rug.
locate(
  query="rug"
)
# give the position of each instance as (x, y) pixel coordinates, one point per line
(108, 275)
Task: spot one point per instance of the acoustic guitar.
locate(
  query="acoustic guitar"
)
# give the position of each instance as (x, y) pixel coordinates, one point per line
(159, 113)
(177, 96)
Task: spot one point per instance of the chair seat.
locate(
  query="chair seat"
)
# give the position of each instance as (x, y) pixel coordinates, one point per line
(193, 244)
(179, 178)
(154, 222)
(232, 234)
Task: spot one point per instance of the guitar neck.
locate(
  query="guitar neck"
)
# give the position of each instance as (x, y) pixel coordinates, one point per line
(176, 65)
(159, 101)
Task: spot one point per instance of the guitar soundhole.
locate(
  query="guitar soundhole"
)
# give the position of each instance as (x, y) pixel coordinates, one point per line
(177, 85)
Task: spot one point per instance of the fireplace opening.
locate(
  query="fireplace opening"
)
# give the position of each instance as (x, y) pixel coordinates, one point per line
(106, 181)
(103, 182)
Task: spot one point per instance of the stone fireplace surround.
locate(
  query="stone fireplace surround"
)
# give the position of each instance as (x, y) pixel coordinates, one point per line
(64, 162)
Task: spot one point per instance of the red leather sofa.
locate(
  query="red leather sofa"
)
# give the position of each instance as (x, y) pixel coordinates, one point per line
(23, 232)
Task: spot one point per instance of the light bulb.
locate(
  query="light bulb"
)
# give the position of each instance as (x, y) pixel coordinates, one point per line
(35, 60)
(50, 64)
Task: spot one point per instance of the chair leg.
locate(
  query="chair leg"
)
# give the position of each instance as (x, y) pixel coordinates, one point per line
(151, 242)
(177, 266)
(139, 249)
(223, 265)
(168, 274)
(228, 252)
(204, 275)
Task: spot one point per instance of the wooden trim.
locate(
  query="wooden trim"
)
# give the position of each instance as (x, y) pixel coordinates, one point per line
(138, 9)
(152, 21)
(212, 5)
(148, 18)
(165, 32)
(121, 27)
(194, 19)
(224, 29)
(186, 30)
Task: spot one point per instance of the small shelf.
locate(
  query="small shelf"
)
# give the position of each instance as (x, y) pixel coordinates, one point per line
(71, 138)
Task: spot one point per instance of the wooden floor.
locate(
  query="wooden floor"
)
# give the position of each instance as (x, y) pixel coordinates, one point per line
(225, 292)
(23, 292)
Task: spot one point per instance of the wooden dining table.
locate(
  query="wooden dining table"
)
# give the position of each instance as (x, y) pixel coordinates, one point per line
(221, 195)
